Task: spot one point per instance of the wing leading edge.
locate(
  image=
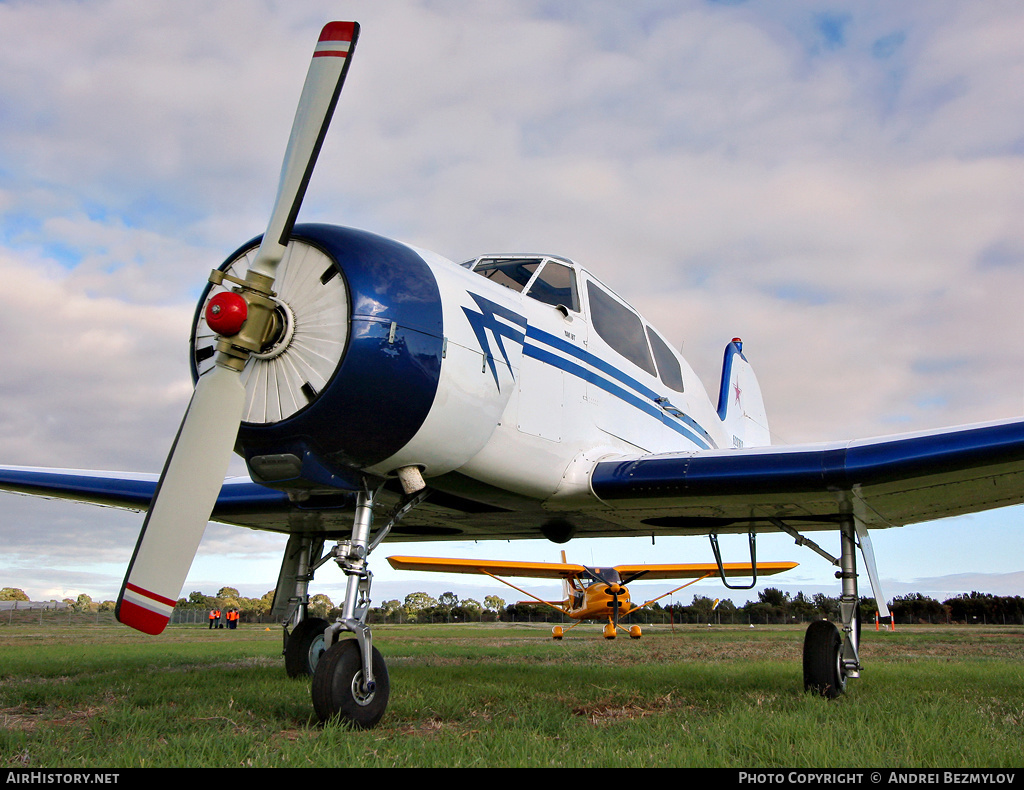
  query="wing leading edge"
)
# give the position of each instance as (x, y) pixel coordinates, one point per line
(889, 481)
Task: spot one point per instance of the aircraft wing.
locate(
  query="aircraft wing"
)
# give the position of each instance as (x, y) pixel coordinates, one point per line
(885, 482)
(631, 573)
(130, 491)
(536, 570)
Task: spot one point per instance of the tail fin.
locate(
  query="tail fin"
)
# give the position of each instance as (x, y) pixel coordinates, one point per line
(740, 405)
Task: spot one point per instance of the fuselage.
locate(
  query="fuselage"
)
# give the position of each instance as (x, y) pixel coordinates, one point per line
(597, 600)
(512, 371)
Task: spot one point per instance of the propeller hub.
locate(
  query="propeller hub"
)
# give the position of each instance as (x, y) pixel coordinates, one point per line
(281, 332)
(227, 313)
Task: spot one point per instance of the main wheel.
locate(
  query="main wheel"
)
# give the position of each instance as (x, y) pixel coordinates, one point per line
(823, 664)
(338, 686)
(304, 648)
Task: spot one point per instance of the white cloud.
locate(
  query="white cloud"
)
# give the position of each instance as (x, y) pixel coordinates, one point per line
(842, 190)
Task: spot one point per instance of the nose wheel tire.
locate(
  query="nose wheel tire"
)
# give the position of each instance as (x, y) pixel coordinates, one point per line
(823, 665)
(304, 648)
(338, 688)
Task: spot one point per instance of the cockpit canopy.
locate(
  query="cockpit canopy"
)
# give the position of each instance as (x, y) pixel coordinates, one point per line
(554, 281)
(540, 277)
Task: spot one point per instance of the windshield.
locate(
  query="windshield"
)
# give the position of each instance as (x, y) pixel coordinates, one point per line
(554, 285)
(605, 575)
(514, 274)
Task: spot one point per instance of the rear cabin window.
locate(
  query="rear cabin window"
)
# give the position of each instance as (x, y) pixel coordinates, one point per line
(620, 328)
(556, 285)
(668, 365)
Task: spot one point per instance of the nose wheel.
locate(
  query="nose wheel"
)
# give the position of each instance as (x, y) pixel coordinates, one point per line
(341, 690)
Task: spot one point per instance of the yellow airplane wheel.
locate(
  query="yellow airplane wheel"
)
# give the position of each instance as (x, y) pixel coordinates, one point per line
(557, 632)
(635, 632)
(609, 631)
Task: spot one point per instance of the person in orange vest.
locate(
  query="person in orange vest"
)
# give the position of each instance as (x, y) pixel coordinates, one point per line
(232, 618)
(213, 617)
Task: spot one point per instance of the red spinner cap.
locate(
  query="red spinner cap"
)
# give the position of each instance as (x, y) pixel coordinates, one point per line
(226, 313)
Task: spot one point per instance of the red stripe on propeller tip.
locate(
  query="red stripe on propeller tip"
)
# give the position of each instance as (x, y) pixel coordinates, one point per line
(335, 40)
(151, 595)
(338, 31)
(142, 619)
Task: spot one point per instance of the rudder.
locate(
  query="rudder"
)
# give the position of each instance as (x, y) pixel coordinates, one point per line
(740, 404)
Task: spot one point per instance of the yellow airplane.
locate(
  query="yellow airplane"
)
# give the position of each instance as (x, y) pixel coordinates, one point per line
(590, 593)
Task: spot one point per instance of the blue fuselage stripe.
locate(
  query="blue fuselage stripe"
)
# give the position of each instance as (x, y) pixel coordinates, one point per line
(595, 362)
(697, 435)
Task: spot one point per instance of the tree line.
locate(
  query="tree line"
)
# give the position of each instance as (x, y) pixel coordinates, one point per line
(773, 606)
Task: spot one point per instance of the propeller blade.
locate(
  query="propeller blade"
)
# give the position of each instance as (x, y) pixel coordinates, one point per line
(199, 458)
(320, 92)
(184, 499)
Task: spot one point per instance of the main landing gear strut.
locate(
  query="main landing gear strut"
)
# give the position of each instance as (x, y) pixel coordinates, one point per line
(305, 644)
(832, 655)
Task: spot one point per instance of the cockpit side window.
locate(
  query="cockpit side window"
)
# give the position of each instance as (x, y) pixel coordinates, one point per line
(556, 285)
(513, 273)
(668, 365)
(620, 328)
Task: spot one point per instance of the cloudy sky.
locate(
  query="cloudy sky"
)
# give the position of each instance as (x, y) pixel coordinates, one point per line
(840, 184)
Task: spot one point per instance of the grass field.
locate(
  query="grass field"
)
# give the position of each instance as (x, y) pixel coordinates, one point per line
(98, 696)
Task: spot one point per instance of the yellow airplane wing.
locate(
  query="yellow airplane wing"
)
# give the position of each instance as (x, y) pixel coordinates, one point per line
(697, 570)
(536, 570)
(563, 570)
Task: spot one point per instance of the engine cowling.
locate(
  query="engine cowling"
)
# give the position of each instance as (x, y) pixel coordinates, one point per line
(384, 357)
(352, 372)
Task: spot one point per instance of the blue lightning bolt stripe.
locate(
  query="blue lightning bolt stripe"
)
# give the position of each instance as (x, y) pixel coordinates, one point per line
(512, 328)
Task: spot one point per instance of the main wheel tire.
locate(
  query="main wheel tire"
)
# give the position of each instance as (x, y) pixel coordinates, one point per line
(823, 665)
(337, 686)
(304, 648)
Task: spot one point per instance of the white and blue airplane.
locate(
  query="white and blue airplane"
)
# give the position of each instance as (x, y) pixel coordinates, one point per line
(376, 390)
